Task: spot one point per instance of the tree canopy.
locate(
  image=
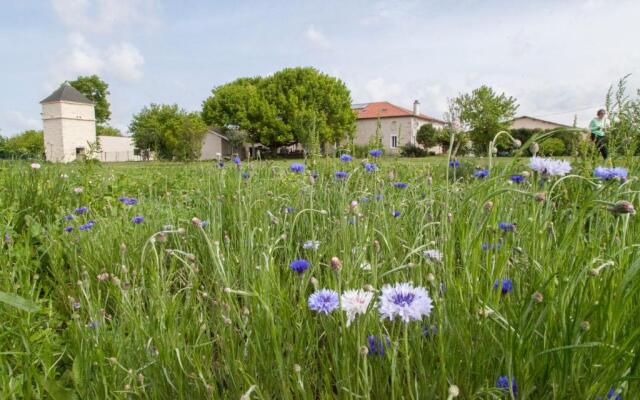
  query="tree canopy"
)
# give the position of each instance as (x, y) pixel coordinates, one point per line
(485, 113)
(97, 91)
(429, 136)
(287, 107)
(107, 130)
(169, 131)
(29, 143)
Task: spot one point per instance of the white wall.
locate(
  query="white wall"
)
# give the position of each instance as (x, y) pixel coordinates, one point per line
(212, 145)
(117, 148)
(403, 127)
(67, 126)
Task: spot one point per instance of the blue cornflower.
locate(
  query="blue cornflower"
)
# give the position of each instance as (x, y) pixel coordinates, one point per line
(289, 210)
(505, 285)
(503, 383)
(324, 301)
(491, 246)
(375, 153)
(236, 160)
(379, 197)
(364, 200)
(68, 229)
(454, 164)
(93, 324)
(128, 201)
(138, 219)
(400, 185)
(370, 167)
(346, 158)
(430, 331)
(68, 217)
(245, 175)
(377, 345)
(221, 164)
(297, 168)
(300, 265)
(607, 174)
(314, 174)
(204, 224)
(86, 227)
(81, 210)
(517, 178)
(396, 213)
(481, 173)
(611, 395)
(507, 226)
(7, 238)
(341, 174)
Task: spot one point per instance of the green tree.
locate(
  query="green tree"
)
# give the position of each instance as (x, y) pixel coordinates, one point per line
(29, 143)
(293, 105)
(485, 113)
(107, 130)
(96, 90)
(429, 136)
(168, 131)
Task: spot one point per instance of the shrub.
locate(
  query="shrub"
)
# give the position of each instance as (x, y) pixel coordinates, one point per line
(360, 151)
(411, 150)
(553, 147)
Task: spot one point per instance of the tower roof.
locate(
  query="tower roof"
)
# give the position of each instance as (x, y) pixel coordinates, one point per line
(66, 92)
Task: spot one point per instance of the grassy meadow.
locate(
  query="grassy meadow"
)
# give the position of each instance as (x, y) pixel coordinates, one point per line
(175, 281)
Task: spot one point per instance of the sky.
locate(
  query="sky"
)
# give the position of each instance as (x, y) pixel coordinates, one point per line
(557, 58)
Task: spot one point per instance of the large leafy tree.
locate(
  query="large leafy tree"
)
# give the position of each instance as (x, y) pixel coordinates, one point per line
(106, 130)
(430, 136)
(168, 131)
(96, 90)
(484, 113)
(290, 106)
(29, 143)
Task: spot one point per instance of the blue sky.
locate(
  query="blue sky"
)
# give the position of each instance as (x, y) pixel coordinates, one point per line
(556, 57)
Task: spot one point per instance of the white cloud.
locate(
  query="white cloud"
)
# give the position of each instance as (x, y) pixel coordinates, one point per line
(17, 122)
(103, 16)
(125, 61)
(379, 90)
(122, 61)
(317, 38)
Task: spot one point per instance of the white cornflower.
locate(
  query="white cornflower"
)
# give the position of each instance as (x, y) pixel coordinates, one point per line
(433, 255)
(354, 302)
(549, 166)
(36, 166)
(365, 266)
(405, 301)
(311, 245)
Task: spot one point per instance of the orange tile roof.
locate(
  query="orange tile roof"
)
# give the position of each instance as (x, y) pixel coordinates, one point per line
(384, 109)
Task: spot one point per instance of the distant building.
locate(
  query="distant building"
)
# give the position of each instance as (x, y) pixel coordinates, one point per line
(398, 125)
(69, 124)
(526, 122)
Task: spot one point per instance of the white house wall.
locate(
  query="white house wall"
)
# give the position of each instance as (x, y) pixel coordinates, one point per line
(117, 149)
(405, 128)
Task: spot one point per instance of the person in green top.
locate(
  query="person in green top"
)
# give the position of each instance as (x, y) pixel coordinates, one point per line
(597, 132)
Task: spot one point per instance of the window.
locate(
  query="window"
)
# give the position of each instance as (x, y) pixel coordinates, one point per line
(394, 141)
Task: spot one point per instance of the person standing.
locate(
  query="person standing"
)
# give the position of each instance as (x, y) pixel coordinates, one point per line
(597, 133)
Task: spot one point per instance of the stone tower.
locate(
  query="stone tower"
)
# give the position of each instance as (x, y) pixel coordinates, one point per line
(69, 123)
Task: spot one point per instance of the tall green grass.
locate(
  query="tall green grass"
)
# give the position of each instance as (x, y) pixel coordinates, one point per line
(154, 311)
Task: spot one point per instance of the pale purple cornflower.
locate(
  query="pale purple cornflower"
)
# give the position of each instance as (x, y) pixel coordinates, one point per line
(607, 174)
(78, 190)
(370, 167)
(346, 158)
(138, 219)
(433, 255)
(297, 168)
(549, 166)
(354, 302)
(236, 160)
(311, 245)
(405, 301)
(324, 301)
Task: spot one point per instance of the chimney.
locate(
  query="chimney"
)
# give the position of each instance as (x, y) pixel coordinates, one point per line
(416, 107)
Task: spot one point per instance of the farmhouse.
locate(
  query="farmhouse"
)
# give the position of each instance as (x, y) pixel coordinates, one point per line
(526, 122)
(69, 124)
(398, 126)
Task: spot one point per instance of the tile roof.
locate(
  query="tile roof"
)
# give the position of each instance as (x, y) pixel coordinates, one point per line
(384, 109)
(66, 92)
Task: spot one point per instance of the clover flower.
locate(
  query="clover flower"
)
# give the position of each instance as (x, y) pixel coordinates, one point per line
(481, 173)
(354, 302)
(405, 301)
(549, 166)
(503, 383)
(299, 265)
(505, 285)
(375, 153)
(346, 158)
(78, 190)
(607, 174)
(324, 301)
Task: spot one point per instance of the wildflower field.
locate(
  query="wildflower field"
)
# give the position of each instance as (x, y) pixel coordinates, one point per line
(335, 278)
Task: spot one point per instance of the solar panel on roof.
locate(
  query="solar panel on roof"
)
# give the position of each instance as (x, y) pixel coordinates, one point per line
(359, 106)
